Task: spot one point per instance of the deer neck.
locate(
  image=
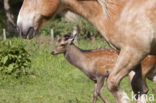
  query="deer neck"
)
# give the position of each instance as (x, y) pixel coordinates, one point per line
(74, 56)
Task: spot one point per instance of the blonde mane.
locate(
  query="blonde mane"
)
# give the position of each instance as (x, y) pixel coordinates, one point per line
(104, 6)
(103, 3)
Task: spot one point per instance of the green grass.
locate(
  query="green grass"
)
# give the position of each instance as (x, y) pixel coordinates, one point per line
(54, 80)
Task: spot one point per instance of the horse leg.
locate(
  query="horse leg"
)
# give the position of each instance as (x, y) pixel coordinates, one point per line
(127, 60)
(132, 74)
(139, 85)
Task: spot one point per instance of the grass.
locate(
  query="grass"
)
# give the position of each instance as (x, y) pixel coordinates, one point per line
(54, 80)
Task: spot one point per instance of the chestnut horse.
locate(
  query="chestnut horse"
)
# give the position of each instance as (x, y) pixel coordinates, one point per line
(130, 28)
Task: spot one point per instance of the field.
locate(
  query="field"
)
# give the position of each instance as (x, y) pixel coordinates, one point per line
(53, 80)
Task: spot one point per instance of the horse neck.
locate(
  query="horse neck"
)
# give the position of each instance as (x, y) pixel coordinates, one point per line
(92, 11)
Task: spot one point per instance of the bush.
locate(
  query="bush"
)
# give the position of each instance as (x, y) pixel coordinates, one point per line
(87, 30)
(62, 26)
(14, 59)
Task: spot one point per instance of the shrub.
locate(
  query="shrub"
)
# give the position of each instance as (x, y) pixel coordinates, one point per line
(87, 30)
(62, 26)
(59, 25)
(14, 59)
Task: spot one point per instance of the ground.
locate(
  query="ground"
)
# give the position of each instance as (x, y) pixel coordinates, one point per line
(54, 80)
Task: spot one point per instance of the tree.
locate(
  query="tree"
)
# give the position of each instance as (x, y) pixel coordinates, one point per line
(11, 26)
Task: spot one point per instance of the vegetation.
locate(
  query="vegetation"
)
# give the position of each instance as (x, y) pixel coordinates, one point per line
(61, 25)
(14, 59)
(30, 74)
(53, 80)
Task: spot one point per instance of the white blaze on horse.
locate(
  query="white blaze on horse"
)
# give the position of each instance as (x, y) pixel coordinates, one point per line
(130, 28)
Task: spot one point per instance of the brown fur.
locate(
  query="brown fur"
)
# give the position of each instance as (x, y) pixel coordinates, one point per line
(131, 28)
(147, 64)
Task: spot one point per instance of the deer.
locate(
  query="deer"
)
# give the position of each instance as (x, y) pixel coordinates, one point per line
(129, 28)
(95, 64)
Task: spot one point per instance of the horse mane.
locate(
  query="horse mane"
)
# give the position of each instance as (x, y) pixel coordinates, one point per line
(104, 6)
(103, 3)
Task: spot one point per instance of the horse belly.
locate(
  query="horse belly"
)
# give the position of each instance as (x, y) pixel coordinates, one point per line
(137, 28)
(152, 17)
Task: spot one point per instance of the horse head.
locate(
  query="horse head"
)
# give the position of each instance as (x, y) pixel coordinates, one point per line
(33, 14)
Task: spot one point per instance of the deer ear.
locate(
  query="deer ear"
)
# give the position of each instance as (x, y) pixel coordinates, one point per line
(70, 40)
(67, 36)
(74, 35)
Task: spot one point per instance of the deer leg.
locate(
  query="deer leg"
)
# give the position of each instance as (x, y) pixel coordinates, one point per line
(97, 89)
(152, 78)
(95, 93)
(152, 75)
(127, 60)
(100, 83)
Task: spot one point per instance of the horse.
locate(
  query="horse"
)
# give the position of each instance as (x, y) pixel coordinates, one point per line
(130, 28)
(148, 71)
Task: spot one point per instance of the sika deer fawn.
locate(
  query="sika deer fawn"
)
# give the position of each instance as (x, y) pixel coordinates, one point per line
(96, 64)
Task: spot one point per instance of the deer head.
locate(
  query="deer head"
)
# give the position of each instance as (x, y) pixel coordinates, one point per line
(63, 41)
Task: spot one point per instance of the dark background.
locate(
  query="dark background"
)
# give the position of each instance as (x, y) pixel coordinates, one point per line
(14, 7)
